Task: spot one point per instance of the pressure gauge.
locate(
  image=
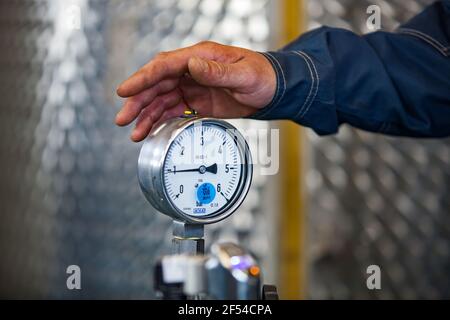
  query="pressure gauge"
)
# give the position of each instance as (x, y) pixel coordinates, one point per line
(195, 170)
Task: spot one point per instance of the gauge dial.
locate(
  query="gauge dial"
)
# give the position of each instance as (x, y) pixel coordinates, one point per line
(203, 169)
(196, 170)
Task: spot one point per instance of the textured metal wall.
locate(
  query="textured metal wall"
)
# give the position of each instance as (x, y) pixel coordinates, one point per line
(68, 192)
(374, 199)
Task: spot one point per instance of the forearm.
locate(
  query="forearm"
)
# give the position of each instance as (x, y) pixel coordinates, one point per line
(393, 83)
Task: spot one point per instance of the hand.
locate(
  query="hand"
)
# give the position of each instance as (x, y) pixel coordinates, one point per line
(216, 80)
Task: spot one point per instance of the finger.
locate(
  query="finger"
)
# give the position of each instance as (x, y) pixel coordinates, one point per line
(197, 97)
(152, 113)
(135, 104)
(164, 65)
(173, 112)
(190, 88)
(214, 102)
(218, 74)
(174, 64)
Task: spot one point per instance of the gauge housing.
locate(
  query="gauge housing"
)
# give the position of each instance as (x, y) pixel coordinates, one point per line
(151, 169)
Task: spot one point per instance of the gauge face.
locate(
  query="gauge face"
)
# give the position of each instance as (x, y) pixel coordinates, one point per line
(203, 169)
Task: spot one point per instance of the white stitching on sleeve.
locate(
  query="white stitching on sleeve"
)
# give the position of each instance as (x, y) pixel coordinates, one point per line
(314, 85)
(426, 36)
(317, 85)
(313, 80)
(282, 73)
(433, 42)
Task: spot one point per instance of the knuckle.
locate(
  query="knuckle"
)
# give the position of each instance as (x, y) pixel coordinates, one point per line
(203, 43)
(162, 55)
(167, 98)
(207, 44)
(136, 100)
(161, 66)
(156, 102)
(151, 117)
(164, 99)
(146, 77)
(220, 69)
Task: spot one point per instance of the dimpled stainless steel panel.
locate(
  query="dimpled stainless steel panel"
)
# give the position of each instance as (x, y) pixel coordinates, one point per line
(69, 192)
(374, 199)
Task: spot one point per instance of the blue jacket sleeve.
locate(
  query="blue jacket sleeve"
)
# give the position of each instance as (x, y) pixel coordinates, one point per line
(394, 83)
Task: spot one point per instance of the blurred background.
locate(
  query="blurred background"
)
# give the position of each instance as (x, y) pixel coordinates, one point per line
(69, 192)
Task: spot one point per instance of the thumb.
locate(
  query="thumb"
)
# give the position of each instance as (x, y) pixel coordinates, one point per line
(215, 74)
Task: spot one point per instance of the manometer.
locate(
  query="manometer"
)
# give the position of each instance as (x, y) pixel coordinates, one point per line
(195, 170)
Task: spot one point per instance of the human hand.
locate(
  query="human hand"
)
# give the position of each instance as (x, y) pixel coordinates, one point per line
(216, 80)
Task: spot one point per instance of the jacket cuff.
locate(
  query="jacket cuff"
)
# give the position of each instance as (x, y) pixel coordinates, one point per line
(296, 95)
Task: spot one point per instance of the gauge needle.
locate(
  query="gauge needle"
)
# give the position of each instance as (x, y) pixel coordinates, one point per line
(202, 169)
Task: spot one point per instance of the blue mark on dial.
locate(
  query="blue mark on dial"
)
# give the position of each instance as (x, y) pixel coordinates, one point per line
(206, 193)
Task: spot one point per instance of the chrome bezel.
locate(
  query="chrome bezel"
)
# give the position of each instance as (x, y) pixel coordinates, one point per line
(151, 170)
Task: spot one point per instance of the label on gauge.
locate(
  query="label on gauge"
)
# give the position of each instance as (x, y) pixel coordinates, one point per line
(206, 193)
